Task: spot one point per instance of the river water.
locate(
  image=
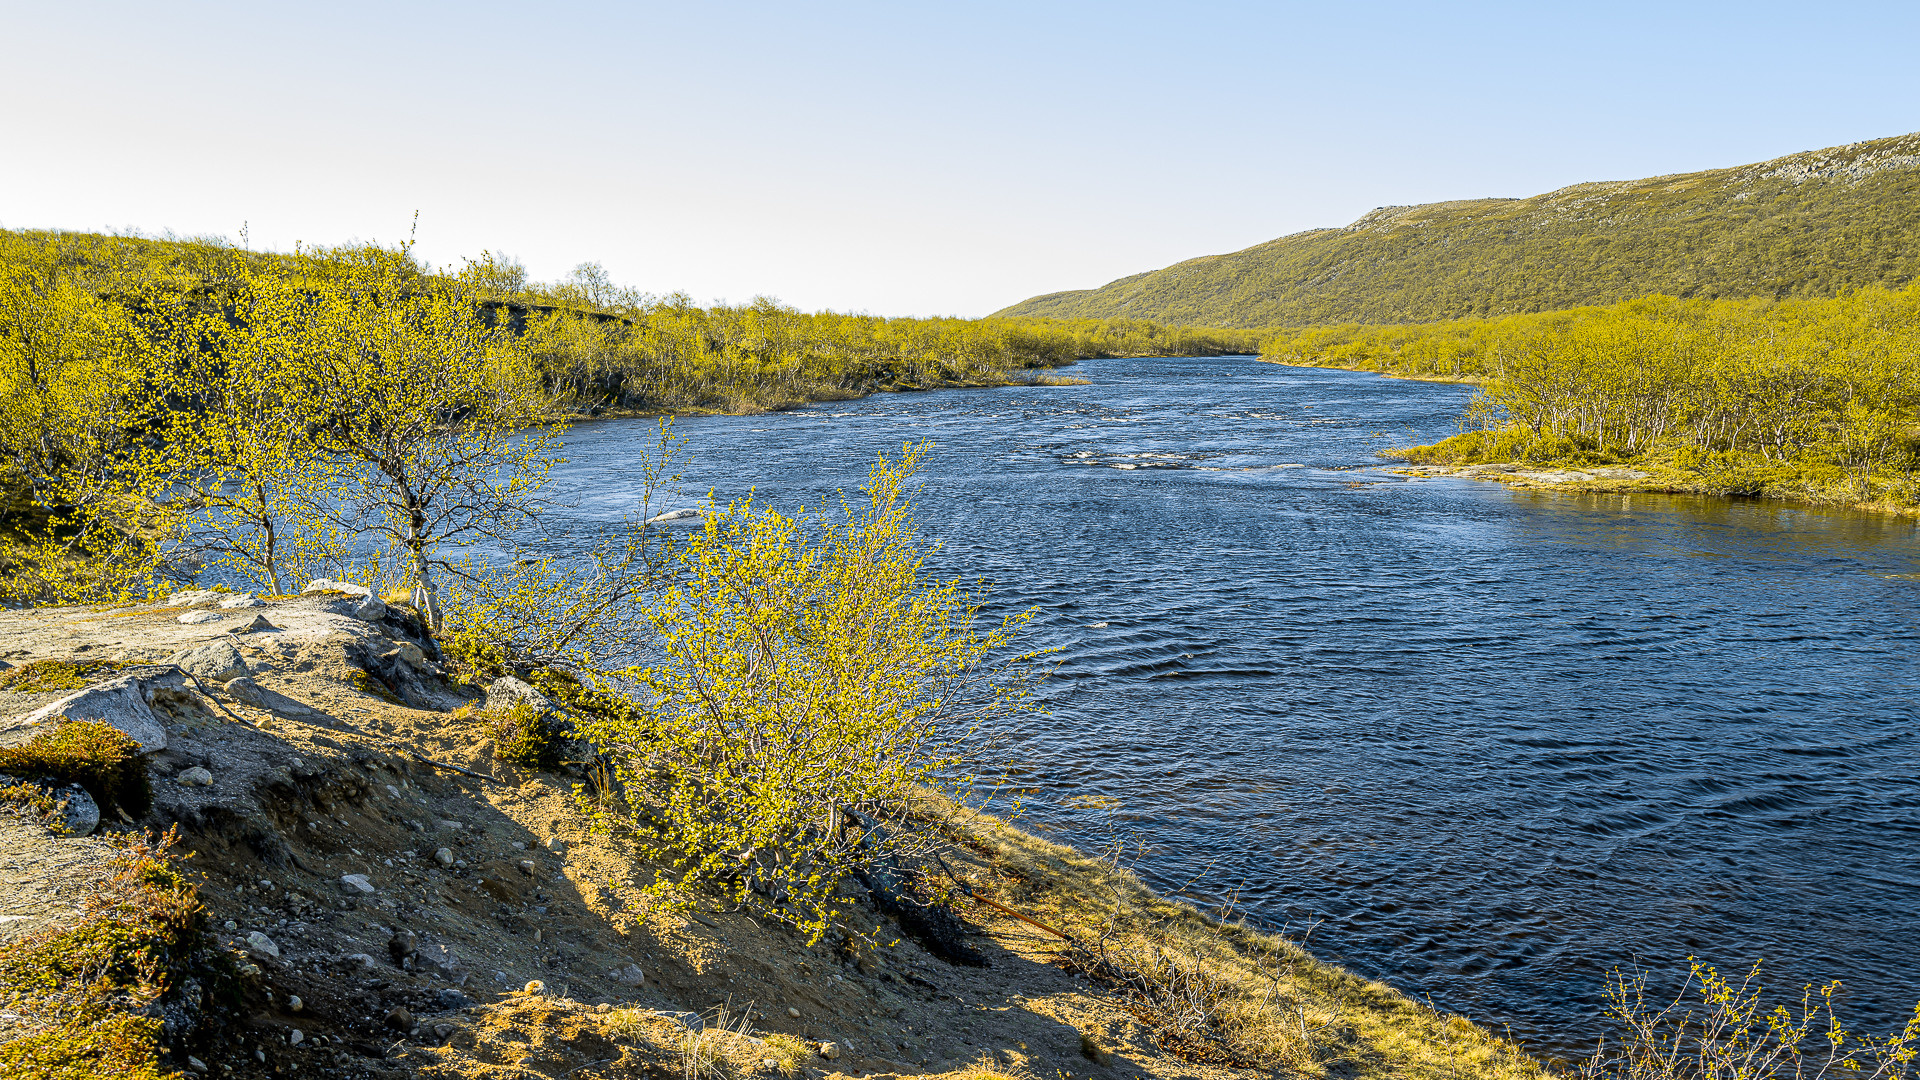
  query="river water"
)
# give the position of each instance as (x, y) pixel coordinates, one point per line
(1487, 744)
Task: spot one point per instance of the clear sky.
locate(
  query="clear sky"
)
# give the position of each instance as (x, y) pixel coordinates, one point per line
(895, 158)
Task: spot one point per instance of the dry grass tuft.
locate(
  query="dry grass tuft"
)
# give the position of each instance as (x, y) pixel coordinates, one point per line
(1213, 990)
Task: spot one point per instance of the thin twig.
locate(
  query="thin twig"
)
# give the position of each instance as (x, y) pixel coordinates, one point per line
(443, 765)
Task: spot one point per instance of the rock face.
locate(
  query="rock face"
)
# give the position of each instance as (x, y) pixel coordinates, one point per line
(216, 660)
(125, 703)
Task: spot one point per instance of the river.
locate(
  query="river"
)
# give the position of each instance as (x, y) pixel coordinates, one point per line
(1486, 744)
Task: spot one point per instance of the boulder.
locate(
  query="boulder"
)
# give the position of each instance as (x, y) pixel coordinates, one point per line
(506, 691)
(254, 625)
(240, 600)
(198, 616)
(356, 885)
(630, 975)
(125, 703)
(261, 943)
(216, 660)
(195, 777)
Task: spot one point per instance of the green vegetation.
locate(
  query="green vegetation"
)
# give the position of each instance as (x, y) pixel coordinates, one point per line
(102, 759)
(170, 405)
(1813, 399)
(807, 681)
(44, 676)
(77, 997)
(1716, 1029)
(1806, 226)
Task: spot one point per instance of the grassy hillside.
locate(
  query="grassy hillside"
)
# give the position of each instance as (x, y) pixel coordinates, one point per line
(1805, 226)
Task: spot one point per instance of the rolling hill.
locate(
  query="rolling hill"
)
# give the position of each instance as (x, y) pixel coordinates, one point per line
(1806, 225)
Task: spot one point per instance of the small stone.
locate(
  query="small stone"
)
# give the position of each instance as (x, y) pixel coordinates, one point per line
(260, 1056)
(527, 867)
(254, 625)
(196, 1064)
(294, 1004)
(295, 1037)
(442, 1031)
(364, 960)
(535, 987)
(355, 884)
(261, 943)
(231, 925)
(554, 843)
(247, 692)
(630, 975)
(402, 945)
(79, 814)
(793, 1012)
(449, 998)
(400, 1019)
(194, 618)
(240, 600)
(195, 777)
(830, 1051)
(444, 856)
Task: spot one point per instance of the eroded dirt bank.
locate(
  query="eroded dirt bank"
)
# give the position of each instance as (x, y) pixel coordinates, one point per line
(400, 904)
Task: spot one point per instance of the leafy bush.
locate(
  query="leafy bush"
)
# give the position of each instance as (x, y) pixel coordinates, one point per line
(1726, 1033)
(102, 759)
(806, 674)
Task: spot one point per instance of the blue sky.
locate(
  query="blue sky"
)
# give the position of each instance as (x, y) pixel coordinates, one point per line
(899, 159)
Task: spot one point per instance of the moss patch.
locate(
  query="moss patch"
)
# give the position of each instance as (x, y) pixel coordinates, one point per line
(102, 759)
(43, 676)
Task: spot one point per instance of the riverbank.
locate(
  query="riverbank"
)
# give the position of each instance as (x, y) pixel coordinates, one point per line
(1468, 380)
(395, 901)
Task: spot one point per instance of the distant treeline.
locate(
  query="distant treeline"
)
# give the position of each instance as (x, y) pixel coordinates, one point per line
(599, 345)
(1809, 398)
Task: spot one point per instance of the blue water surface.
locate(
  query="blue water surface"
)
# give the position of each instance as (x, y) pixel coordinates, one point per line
(1488, 744)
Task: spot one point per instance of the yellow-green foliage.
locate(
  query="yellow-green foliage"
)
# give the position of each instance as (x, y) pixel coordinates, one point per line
(1810, 225)
(667, 355)
(805, 668)
(522, 737)
(102, 759)
(167, 406)
(42, 676)
(1717, 1029)
(1813, 398)
(76, 991)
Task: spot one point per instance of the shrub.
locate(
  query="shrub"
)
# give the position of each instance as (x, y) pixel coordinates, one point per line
(102, 759)
(806, 675)
(76, 995)
(523, 737)
(1728, 1034)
